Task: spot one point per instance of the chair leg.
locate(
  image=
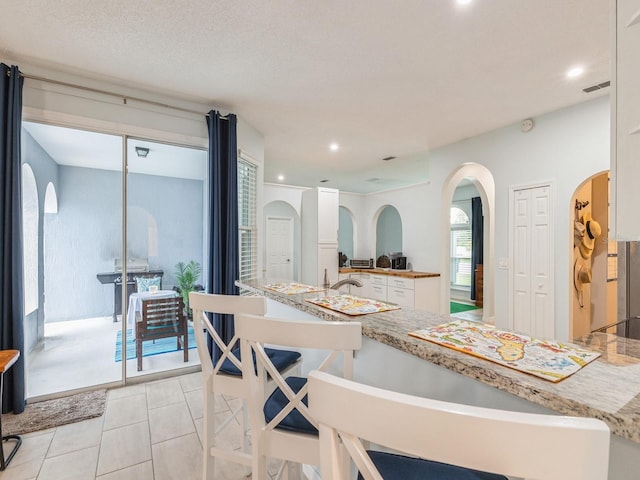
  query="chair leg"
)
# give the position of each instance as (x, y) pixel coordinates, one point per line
(139, 352)
(209, 434)
(4, 462)
(185, 345)
(258, 460)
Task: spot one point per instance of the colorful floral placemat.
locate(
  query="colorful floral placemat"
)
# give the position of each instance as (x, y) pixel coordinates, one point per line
(291, 288)
(352, 305)
(549, 360)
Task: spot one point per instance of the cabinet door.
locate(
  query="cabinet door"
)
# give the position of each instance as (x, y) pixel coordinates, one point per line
(402, 296)
(399, 282)
(379, 292)
(328, 215)
(379, 280)
(327, 259)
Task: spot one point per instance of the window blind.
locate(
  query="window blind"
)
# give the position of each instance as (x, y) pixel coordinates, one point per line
(247, 204)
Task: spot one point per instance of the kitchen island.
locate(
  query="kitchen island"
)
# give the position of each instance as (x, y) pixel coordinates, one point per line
(607, 389)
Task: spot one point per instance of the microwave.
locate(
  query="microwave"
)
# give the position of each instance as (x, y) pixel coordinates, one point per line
(399, 263)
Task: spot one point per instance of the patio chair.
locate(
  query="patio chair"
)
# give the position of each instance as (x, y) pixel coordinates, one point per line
(461, 442)
(162, 318)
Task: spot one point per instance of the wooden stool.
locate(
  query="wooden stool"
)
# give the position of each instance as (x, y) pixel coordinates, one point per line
(7, 359)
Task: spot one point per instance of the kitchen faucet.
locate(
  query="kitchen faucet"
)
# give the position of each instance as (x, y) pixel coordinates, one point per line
(346, 281)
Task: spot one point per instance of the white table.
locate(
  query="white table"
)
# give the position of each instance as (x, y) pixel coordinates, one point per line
(135, 306)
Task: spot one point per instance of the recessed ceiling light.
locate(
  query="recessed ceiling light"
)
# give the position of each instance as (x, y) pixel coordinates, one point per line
(575, 72)
(280, 178)
(463, 2)
(334, 147)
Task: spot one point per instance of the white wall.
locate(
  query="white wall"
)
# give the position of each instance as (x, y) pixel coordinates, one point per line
(565, 147)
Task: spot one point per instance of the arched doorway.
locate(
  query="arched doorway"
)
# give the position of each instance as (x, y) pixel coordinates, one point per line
(593, 286)
(482, 178)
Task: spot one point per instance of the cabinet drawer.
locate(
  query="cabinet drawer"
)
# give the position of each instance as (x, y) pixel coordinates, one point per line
(378, 292)
(379, 280)
(400, 282)
(401, 296)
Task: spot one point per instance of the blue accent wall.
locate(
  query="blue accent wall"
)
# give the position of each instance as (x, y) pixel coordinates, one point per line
(388, 232)
(345, 233)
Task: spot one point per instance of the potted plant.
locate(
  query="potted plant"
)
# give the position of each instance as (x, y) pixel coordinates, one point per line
(187, 275)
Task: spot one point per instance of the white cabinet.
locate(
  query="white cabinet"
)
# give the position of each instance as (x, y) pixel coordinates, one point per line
(421, 292)
(319, 221)
(378, 287)
(401, 291)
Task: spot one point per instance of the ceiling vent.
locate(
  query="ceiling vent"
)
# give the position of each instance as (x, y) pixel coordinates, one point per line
(372, 180)
(386, 159)
(599, 86)
(324, 181)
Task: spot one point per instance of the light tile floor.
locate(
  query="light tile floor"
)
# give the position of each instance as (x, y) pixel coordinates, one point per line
(149, 431)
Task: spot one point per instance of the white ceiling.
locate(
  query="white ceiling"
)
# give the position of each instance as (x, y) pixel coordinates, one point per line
(80, 148)
(379, 77)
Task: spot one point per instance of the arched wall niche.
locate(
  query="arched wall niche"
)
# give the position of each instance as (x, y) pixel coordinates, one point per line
(387, 225)
(347, 234)
(50, 199)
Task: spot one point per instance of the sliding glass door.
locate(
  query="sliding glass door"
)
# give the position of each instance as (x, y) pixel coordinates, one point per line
(165, 252)
(73, 233)
(78, 277)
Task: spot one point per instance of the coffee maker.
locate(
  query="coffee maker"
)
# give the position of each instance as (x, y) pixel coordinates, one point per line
(398, 261)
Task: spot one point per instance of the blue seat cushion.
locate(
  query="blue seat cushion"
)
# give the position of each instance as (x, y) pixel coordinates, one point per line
(281, 359)
(398, 467)
(294, 421)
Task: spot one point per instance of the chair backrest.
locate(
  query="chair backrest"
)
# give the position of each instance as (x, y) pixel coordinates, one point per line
(532, 446)
(161, 316)
(338, 339)
(203, 303)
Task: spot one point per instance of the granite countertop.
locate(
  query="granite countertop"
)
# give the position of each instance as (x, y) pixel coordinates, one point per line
(388, 271)
(607, 388)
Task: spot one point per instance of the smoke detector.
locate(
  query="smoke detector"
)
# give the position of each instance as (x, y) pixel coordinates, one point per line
(526, 125)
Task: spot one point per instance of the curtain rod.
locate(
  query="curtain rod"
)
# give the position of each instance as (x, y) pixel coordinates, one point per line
(113, 94)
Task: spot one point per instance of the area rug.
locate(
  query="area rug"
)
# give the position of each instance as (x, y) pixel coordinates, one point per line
(545, 359)
(54, 413)
(456, 307)
(150, 347)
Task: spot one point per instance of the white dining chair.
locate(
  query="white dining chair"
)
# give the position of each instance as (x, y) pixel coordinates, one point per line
(225, 376)
(459, 441)
(281, 426)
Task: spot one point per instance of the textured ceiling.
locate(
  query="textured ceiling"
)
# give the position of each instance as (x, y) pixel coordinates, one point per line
(378, 77)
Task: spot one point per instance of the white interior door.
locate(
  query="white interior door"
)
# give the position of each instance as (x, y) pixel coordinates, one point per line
(532, 260)
(279, 248)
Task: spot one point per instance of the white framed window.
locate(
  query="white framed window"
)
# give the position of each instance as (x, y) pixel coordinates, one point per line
(460, 273)
(247, 224)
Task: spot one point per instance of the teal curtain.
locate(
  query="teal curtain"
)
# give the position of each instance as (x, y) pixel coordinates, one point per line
(11, 275)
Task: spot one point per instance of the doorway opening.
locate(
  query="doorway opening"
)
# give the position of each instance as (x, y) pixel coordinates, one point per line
(477, 177)
(593, 287)
(282, 241)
